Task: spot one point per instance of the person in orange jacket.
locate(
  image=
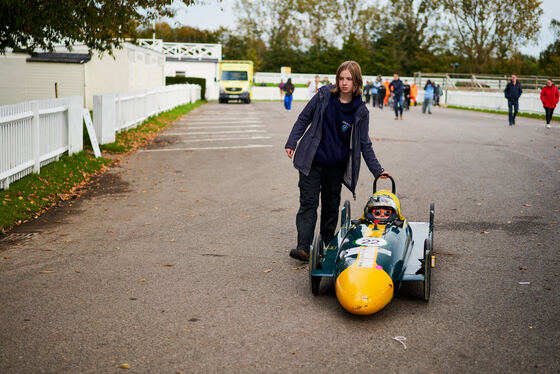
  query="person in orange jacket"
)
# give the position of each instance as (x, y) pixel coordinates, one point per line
(549, 98)
(387, 92)
(413, 93)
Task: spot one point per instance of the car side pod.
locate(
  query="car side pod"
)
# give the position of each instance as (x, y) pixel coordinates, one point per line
(363, 290)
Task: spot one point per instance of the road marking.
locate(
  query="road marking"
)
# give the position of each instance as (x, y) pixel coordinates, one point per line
(220, 132)
(207, 148)
(223, 139)
(219, 127)
(219, 122)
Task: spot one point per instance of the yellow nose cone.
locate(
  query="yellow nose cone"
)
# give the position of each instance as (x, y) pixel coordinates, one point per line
(363, 290)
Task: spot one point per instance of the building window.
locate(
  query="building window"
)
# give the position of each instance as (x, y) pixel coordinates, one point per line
(179, 73)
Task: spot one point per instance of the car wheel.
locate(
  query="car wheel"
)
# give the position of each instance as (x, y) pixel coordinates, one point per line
(431, 227)
(427, 268)
(315, 263)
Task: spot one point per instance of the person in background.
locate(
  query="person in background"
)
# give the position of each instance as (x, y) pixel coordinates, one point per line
(406, 91)
(381, 92)
(436, 94)
(374, 91)
(314, 87)
(413, 93)
(281, 87)
(331, 135)
(549, 98)
(288, 92)
(512, 93)
(367, 91)
(397, 92)
(439, 92)
(428, 97)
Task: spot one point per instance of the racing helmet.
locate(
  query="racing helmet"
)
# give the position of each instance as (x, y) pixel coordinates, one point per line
(383, 206)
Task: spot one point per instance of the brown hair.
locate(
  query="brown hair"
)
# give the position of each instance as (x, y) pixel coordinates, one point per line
(355, 71)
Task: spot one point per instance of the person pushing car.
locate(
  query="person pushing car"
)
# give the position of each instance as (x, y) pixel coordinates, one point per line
(333, 132)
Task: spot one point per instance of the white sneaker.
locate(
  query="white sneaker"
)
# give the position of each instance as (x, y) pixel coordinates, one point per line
(547, 126)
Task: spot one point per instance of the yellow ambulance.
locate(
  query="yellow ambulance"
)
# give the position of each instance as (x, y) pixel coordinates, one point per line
(236, 79)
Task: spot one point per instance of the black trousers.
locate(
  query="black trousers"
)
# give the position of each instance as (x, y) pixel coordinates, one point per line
(327, 182)
(548, 112)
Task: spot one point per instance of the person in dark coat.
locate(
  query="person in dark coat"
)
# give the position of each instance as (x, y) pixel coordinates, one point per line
(512, 93)
(406, 91)
(288, 92)
(326, 144)
(397, 91)
(549, 98)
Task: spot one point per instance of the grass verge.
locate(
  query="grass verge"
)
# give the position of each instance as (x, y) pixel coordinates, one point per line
(32, 195)
(519, 114)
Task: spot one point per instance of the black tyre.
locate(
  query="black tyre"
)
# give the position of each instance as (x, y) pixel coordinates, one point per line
(427, 268)
(431, 228)
(315, 258)
(345, 217)
(248, 101)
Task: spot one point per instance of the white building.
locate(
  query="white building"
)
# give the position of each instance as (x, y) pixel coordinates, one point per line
(190, 60)
(24, 77)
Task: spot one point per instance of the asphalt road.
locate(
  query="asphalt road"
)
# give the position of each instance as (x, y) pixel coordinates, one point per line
(176, 261)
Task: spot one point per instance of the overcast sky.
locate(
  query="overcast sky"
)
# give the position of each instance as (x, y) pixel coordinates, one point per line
(212, 15)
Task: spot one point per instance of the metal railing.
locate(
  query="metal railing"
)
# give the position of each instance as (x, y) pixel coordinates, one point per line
(196, 51)
(481, 82)
(35, 133)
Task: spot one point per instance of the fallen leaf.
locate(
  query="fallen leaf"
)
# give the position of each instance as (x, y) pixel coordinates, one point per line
(77, 271)
(523, 268)
(527, 205)
(47, 271)
(267, 271)
(142, 280)
(484, 232)
(6, 257)
(479, 204)
(63, 234)
(299, 267)
(171, 240)
(124, 366)
(168, 265)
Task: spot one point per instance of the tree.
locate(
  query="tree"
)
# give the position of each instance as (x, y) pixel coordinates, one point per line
(550, 58)
(483, 29)
(315, 15)
(183, 34)
(101, 25)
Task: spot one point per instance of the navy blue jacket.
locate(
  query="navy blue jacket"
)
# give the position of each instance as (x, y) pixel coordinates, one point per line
(308, 131)
(396, 87)
(513, 91)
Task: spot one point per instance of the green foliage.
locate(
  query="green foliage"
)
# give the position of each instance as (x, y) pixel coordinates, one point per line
(404, 36)
(191, 80)
(27, 197)
(183, 34)
(102, 25)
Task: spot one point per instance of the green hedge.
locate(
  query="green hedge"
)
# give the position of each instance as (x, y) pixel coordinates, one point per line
(192, 80)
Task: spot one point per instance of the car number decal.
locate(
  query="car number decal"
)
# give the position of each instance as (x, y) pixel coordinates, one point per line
(371, 242)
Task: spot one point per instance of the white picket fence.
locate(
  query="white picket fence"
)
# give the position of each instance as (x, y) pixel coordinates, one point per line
(116, 112)
(35, 133)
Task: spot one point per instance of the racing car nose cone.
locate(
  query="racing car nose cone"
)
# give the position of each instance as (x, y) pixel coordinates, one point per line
(362, 290)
